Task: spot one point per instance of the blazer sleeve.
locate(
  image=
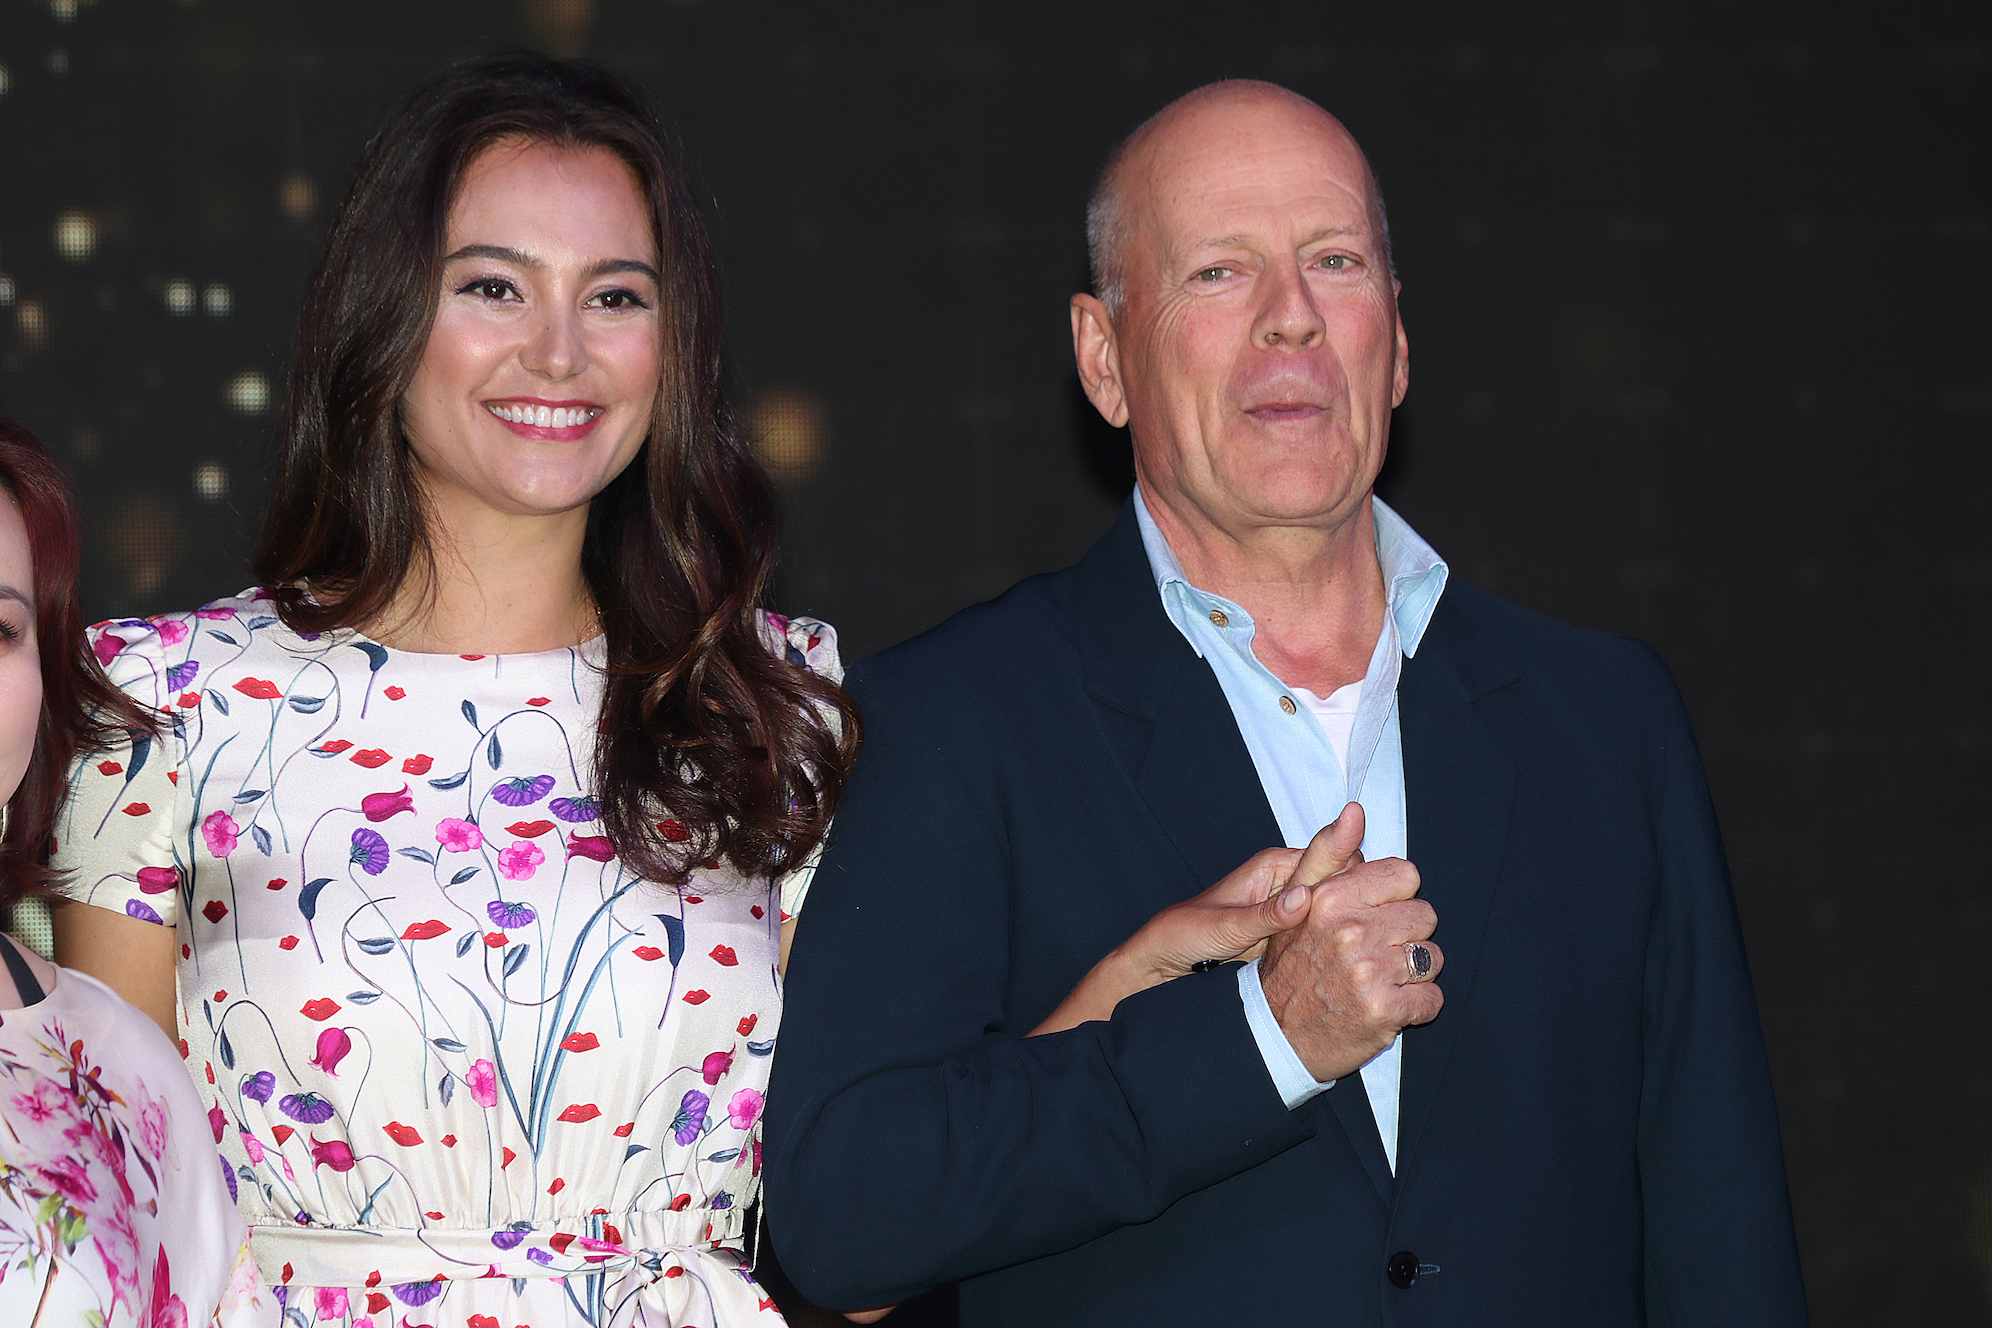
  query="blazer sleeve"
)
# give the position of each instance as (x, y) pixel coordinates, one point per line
(1719, 1242)
(913, 1138)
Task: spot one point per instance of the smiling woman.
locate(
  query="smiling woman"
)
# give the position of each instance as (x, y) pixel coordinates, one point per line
(453, 867)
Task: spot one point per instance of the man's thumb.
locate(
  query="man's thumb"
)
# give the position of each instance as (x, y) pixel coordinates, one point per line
(1335, 849)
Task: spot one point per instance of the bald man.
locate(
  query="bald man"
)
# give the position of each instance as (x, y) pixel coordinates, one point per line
(1574, 1126)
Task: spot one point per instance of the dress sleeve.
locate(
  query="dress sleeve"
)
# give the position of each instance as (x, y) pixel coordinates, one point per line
(121, 838)
(811, 644)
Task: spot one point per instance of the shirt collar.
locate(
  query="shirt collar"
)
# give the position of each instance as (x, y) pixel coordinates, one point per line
(1414, 576)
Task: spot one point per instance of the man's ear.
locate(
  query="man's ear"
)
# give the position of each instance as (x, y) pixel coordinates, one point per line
(1097, 352)
(1400, 369)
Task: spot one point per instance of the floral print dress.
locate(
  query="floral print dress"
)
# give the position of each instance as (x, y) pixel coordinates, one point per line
(465, 1069)
(112, 1207)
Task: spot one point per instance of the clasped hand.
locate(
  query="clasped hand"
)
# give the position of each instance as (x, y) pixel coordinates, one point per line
(1333, 931)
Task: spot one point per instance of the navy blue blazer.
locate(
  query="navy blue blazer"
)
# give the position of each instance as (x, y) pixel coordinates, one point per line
(1587, 1136)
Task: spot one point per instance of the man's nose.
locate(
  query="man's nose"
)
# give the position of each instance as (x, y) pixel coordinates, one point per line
(557, 350)
(1288, 318)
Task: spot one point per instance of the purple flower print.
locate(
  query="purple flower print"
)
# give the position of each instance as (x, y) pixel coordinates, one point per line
(180, 675)
(540, 1256)
(221, 833)
(458, 836)
(519, 862)
(508, 915)
(722, 1200)
(369, 851)
(227, 1174)
(576, 811)
(258, 1086)
(745, 1108)
(417, 1293)
(521, 792)
(308, 1108)
(685, 1126)
(508, 1240)
(143, 911)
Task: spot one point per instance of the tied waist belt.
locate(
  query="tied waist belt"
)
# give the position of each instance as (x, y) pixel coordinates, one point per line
(403, 1259)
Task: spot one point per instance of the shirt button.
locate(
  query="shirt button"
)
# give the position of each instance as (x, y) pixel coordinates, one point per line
(1286, 704)
(1217, 616)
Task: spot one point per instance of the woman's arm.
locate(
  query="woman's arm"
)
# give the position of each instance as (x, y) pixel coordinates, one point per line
(133, 958)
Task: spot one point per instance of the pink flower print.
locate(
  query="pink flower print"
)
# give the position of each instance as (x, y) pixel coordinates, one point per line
(163, 1309)
(333, 1044)
(111, 1231)
(380, 806)
(155, 1131)
(216, 1121)
(596, 848)
(66, 1176)
(171, 631)
(482, 1081)
(107, 648)
(519, 862)
(458, 836)
(716, 1065)
(214, 614)
(253, 1147)
(157, 880)
(745, 1108)
(46, 1101)
(221, 833)
(331, 1303)
(334, 1153)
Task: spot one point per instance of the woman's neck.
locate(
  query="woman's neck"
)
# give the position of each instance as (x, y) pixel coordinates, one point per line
(513, 588)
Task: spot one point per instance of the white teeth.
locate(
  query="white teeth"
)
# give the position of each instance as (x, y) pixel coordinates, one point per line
(545, 417)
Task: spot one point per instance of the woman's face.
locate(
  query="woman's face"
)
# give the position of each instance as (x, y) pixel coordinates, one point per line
(20, 656)
(537, 384)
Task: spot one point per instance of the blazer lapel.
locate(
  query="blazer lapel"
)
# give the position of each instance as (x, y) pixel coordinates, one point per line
(1459, 785)
(1169, 723)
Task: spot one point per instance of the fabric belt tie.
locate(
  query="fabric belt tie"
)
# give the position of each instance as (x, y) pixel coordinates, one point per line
(404, 1259)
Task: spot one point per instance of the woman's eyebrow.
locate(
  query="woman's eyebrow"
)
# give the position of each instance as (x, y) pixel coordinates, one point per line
(499, 253)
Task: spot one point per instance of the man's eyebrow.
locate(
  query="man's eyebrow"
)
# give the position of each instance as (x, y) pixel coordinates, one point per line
(1246, 241)
(499, 253)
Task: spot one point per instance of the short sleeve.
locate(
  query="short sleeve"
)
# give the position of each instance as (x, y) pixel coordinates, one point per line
(811, 644)
(120, 837)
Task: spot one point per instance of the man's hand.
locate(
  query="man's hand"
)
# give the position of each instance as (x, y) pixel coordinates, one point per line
(1342, 984)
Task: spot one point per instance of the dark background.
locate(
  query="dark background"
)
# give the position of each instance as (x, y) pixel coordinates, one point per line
(1696, 294)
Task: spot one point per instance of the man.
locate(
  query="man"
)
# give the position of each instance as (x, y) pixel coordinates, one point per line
(1583, 1134)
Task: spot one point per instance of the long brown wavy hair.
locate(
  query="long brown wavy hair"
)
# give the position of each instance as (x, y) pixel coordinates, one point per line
(710, 745)
(81, 708)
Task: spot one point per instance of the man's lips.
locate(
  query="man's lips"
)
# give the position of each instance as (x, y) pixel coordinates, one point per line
(1279, 412)
(534, 417)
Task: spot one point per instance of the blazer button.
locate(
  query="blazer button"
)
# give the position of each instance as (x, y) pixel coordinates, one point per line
(1402, 1269)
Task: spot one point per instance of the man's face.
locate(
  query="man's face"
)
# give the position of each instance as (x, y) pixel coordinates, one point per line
(1259, 353)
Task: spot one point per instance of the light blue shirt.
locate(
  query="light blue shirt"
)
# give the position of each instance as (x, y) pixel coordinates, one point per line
(1305, 781)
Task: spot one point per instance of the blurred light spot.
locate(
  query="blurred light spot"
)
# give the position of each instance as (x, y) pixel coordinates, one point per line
(33, 322)
(179, 297)
(248, 393)
(217, 300)
(58, 61)
(786, 427)
(297, 195)
(561, 25)
(211, 481)
(6, 290)
(4, 80)
(64, 10)
(84, 444)
(143, 542)
(75, 235)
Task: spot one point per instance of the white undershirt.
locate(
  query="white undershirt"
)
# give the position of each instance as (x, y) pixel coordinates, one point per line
(1335, 713)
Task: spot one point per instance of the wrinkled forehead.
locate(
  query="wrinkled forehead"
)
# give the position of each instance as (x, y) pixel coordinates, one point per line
(1204, 169)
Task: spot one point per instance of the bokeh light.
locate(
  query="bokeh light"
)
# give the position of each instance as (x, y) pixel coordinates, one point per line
(217, 300)
(6, 290)
(179, 298)
(144, 539)
(786, 426)
(75, 235)
(64, 10)
(5, 80)
(247, 393)
(211, 481)
(32, 319)
(297, 195)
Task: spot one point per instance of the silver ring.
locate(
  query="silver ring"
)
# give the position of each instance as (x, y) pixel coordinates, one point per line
(1417, 962)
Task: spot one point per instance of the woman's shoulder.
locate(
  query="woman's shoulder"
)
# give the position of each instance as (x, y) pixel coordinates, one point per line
(121, 643)
(808, 643)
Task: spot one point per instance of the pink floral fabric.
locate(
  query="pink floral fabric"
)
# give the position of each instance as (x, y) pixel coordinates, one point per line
(113, 1211)
(466, 1070)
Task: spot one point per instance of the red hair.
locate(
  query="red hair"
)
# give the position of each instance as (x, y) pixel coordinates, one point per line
(80, 706)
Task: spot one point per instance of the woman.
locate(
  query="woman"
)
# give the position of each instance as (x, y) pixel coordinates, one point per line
(113, 1208)
(457, 845)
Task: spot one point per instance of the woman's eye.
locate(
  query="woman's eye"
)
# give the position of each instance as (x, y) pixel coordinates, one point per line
(621, 299)
(487, 288)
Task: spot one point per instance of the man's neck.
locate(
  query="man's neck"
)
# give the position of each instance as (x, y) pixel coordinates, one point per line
(1315, 593)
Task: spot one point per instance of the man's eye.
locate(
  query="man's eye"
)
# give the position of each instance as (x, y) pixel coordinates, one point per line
(1213, 274)
(1336, 262)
